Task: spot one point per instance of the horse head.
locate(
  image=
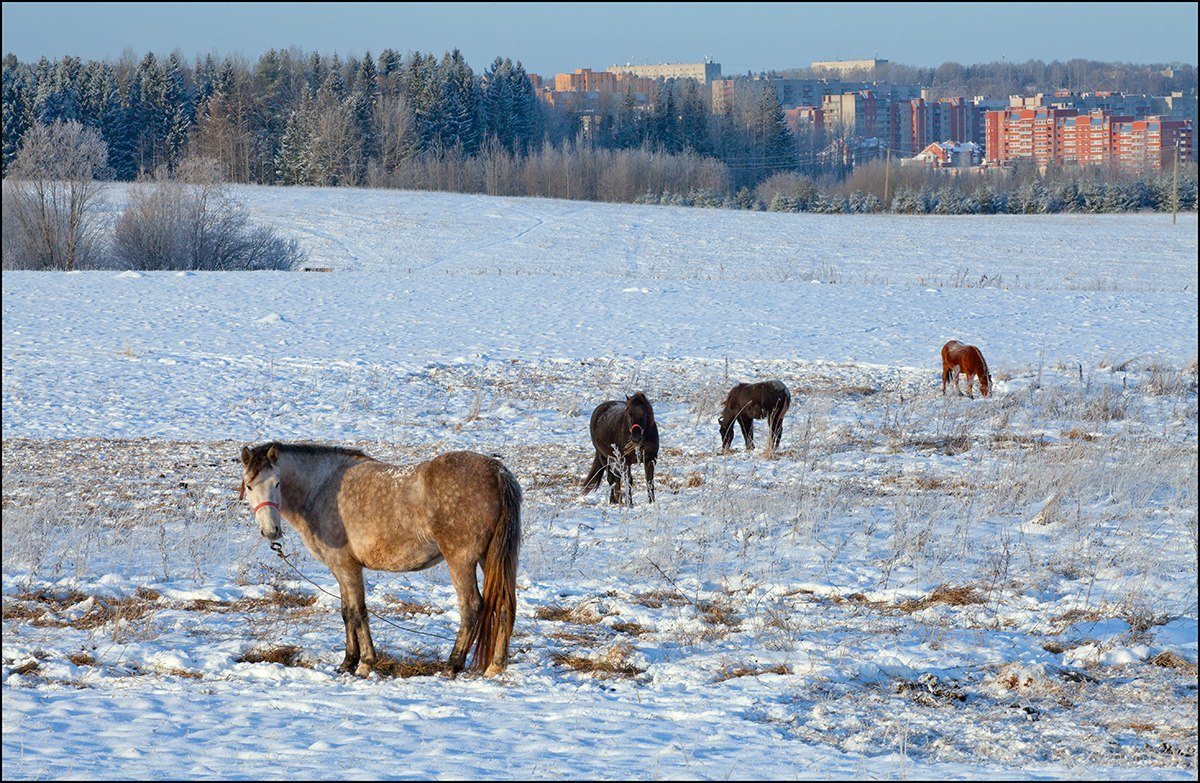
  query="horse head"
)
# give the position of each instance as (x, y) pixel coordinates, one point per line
(260, 488)
(639, 416)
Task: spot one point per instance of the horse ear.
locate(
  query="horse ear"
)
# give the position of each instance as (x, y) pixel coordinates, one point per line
(273, 455)
(245, 455)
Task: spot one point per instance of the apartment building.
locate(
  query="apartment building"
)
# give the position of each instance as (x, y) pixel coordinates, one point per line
(587, 80)
(1045, 135)
(866, 69)
(792, 93)
(705, 72)
(866, 115)
(1151, 144)
(1088, 139)
(1029, 134)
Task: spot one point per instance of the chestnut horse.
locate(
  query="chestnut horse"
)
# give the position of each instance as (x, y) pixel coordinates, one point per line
(354, 512)
(746, 402)
(623, 433)
(960, 359)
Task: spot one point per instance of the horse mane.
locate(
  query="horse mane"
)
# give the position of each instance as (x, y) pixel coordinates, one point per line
(258, 454)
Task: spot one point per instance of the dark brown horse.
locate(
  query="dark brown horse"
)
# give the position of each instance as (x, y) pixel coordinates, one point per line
(623, 434)
(354, 512)
(746, 402)
(960, 359)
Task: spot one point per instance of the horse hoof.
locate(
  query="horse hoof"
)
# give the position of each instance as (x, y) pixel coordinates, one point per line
(493, 670)
(364, 670)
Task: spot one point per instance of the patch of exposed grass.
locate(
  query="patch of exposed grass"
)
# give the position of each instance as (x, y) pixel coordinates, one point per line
(750, 671)
(581, 614)
(285, 654)
(657, 599)
(424, 663)
(631, 628)
(614, 663)
(943, 594)
(411, 608)
(1169, 660)
(284, 599)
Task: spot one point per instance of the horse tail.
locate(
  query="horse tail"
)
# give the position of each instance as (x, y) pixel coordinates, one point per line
(594, 475)
(500, 580)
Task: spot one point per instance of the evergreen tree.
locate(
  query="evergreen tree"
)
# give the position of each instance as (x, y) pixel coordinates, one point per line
(18, 100)
(58, 95)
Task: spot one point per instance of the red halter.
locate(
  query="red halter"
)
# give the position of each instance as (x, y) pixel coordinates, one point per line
(266, 503)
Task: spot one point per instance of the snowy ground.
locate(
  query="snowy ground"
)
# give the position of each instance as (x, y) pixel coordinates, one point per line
(912, 586)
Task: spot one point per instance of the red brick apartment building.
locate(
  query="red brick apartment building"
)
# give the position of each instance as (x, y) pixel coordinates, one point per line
(1151, 143)
(1062, 135)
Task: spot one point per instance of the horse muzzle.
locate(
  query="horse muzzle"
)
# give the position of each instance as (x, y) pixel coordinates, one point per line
(637, 433)
(267, 516)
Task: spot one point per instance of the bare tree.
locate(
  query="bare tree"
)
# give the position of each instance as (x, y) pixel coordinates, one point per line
(51, 198)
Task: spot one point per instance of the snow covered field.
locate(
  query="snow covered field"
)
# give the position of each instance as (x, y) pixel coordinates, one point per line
(912, 586)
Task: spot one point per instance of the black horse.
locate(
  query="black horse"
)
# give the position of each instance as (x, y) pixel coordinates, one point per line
(746, 402)
(623, 433)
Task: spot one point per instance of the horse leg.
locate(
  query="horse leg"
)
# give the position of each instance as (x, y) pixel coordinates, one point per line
(957, 381)
(775, 423)
(649, 465)
(360, 650)
(466, 584)
(614, 485)
(945, 377)
(969, 381)
(746, 422)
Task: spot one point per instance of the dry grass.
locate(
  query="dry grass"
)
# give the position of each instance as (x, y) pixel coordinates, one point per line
(1169, 660)
(949, 445)
(718, 613)
(411, 608)
(84, 658)
(582, 614)
(943, 594)
(279, 599)
(657, 599)
(750, 671)
(285, 654)
(423, 663)
(614, 663)
(631, 628)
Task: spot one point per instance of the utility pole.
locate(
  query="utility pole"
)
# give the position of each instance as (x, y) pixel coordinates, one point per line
(1175, 187)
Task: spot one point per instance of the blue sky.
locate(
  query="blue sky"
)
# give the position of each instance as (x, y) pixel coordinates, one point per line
(559, 38)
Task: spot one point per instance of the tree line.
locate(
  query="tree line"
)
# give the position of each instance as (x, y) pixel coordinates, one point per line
(420, 121)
